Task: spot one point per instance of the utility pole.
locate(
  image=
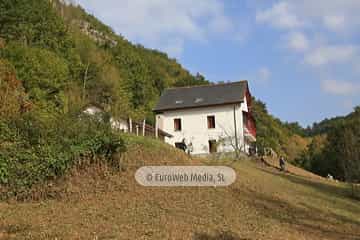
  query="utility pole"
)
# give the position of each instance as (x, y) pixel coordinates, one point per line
(236, 138)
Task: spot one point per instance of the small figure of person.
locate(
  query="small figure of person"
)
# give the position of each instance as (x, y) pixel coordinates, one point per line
(282, 163)
(183, 145)
(189, 148)
(330, 177)
(263, 160)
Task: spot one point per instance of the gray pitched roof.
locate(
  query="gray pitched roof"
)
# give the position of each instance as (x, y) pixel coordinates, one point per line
(201, 96)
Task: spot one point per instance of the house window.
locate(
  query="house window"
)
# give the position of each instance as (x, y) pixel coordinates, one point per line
(212, 146)
(177, 124)
(211, 121)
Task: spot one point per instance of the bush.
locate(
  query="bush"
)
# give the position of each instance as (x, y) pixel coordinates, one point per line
(42, 146)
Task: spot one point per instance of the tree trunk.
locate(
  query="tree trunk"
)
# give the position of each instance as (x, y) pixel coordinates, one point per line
(84, 81)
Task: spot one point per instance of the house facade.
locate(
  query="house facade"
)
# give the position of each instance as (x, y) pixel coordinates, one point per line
(208, 119)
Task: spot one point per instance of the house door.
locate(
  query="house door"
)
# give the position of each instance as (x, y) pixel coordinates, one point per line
(212, 146)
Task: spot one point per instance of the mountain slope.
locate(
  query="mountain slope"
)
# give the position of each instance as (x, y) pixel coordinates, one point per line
(54, 60)
(92, 63)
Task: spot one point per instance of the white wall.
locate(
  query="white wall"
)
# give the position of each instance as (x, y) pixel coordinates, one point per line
(195, 128)
(92, 110)
(119, 124)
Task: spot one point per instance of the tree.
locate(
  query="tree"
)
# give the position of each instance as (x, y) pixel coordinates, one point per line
(13, 100)
(43, 73)
(345, 143)
(33, 23)
(295, 128)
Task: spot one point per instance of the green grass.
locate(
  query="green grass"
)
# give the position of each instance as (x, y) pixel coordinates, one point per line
(262, 204)
(145, 142)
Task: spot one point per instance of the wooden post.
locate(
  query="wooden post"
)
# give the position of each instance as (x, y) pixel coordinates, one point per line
(84, 81)
(143, 128)
(130, 125)
(156, 127)
(137, 130)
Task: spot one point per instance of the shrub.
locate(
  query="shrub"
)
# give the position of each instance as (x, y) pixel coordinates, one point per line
(42, 146)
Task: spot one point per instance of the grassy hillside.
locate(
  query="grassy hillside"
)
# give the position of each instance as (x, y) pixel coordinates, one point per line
(261, 204)
(68, 176)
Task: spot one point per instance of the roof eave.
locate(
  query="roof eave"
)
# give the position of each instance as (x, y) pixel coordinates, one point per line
(189, 107)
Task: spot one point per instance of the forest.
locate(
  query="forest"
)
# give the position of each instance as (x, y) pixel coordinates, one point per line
(334, 148)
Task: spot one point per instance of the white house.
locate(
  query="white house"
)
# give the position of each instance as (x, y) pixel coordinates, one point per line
(127, 126)
(211, 118)
(118, 124)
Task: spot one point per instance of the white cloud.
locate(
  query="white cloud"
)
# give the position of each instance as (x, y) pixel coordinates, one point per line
(331, 54)
(263, 75)
(340, 87)
(324, 35)
(335, 15)
(348, 105)
(297, 41)
(279, 15)
(158, 23)
(221, 24)
(334, 22)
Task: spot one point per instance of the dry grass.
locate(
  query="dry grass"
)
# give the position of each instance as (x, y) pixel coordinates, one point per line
(262, 204)
(274, 162)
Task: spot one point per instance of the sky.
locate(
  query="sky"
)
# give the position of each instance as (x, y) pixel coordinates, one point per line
(301, 57)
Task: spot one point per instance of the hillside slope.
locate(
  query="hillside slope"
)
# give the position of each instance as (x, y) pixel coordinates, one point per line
(261, 204)
(54, 59)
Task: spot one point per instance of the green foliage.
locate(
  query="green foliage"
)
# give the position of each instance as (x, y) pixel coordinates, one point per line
(344, 147)
(295, 128)
(324, 126)
(43, 73)
(32, 150)
(12, 95)
(311, 158)
(191, 81)
(34, 23)
(136, 73)
(284, 138)
(269, 130)
(338, 153)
